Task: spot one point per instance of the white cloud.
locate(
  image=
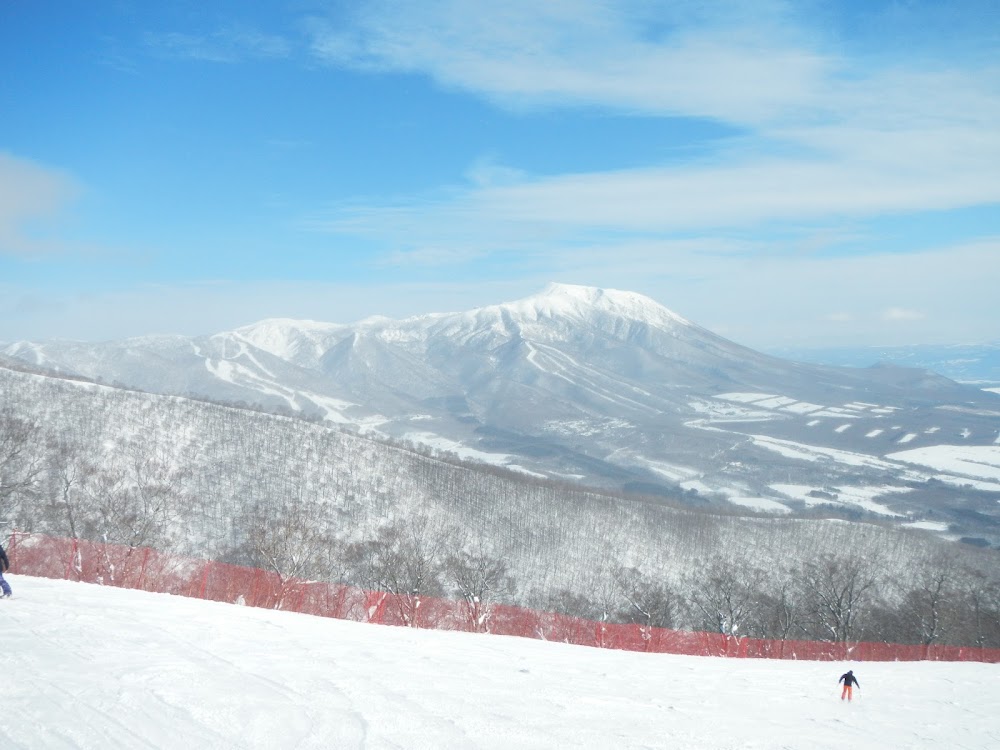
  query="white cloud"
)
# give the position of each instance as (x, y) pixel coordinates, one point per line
(766, 65)
(497, 216)
(826, 136)
(901, 314)
(488, 172)
(229, 45)
(31, 195)
(833, 135)
(828, 141)
(707, 59)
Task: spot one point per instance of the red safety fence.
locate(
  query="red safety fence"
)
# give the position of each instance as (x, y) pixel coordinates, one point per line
(151, 570)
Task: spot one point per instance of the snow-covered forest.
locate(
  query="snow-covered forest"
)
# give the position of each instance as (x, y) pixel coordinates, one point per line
(302, 499)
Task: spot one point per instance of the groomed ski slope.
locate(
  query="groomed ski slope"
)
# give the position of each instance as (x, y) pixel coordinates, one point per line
(85, 666)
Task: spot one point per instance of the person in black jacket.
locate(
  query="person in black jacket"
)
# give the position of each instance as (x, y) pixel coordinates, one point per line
(848, 679)
(4, 564)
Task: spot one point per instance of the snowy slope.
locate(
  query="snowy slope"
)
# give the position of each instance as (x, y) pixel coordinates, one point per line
(98, 668)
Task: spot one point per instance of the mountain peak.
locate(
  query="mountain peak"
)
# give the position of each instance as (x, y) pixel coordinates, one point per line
(286, 337)
(570, 300)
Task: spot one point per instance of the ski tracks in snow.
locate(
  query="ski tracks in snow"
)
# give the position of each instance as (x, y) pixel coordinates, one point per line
(94, 668)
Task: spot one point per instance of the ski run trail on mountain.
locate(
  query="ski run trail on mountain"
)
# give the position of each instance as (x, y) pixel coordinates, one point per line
(86, 666)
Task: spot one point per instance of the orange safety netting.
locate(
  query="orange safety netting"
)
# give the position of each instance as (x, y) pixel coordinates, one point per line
(150, 570)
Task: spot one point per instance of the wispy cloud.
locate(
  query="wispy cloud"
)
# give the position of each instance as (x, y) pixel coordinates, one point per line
(826, 134)
(229, 45)
(680, 58)
(31, 196)
(521, 212)
(765, 64)
(901, 314)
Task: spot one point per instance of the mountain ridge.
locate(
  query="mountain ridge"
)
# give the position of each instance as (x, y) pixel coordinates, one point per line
(602, 385)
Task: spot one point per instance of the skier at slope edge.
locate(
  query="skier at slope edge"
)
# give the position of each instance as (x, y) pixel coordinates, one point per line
(4, 565)
(848, 679)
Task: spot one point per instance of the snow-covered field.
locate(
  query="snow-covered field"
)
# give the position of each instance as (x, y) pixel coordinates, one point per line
(91, 667)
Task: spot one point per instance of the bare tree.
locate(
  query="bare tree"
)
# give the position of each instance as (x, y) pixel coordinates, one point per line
(573, 604)
(724, 597)
(836, 592)
(981, 596)
(67, 476)
(22, 452)
(64, 505)
(482, 580)
(928, 608)
(644, 601)
(290, 540)
(138, 505)
(780, 608)
(403, 560)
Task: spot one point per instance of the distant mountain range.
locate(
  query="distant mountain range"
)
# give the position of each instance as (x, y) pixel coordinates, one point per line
(607, 388)
(967, 363)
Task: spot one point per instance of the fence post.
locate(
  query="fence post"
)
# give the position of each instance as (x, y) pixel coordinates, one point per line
(69, 562)
(142, 568)
(204, 579)
(374, 604)
(252, 597)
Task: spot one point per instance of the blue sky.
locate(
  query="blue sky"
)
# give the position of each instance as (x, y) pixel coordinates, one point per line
(785, 174)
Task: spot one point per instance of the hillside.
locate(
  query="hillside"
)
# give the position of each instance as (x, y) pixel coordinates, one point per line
(314, 501)
(607, 388)
(95, 668)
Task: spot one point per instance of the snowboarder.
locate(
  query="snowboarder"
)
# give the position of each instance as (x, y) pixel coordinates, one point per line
(4, 565)
(848, 679)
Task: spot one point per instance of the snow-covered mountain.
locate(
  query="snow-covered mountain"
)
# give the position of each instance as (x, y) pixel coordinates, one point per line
(604, 386)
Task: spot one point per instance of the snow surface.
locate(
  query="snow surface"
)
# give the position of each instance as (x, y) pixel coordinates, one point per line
(928, 525)
(861, 497)
(285, 337)
(788, 404)
(976, 461)
(759, 503)
(91, 668)
(573, 301)
(804, 452)
(461, 450)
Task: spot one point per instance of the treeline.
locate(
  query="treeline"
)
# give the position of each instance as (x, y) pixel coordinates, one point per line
(304, 501)
(834, 598)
